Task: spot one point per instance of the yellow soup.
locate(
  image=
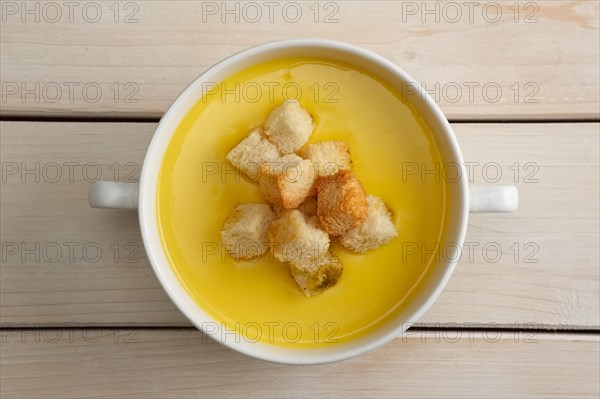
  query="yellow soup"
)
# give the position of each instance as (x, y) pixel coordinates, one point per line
(198, 188)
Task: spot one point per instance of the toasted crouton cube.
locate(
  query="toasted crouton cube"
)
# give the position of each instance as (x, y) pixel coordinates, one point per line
(288, 181)
(315, 275)
(289, 126)
(328, 157)
(341, 202)
(376, 231)
(245, 232)
(251, 152)
(308, 207)
(294, 239)
(314, 221)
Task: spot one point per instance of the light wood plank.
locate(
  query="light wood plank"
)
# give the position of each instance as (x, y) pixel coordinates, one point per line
(545, 63)
(558, 216)
(182, 363)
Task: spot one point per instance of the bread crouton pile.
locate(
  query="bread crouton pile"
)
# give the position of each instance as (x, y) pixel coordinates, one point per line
(312, 196)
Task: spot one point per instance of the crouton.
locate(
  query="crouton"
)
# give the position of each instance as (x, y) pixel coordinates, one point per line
(328, 157)
(289, 126)
(294, 239)
(376, 231)
(308, 207)
(341, 202)
(288, 181)
(251, 152)
(245, 232)
(315, 275)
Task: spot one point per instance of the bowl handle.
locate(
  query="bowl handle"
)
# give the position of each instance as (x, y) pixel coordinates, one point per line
(493, 199)
(115, 195)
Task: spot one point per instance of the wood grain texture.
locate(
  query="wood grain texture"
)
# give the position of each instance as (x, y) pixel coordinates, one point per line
(541, 57)
(64, 262)
(183, 364)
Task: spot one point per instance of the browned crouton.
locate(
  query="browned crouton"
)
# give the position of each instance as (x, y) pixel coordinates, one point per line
(294, 239)
(289, 126)
(252, 152)
(341, 202)
(288, 181)
(328, 157)
(308, 207)
(315, 275)
(376, 231)
(245, 232)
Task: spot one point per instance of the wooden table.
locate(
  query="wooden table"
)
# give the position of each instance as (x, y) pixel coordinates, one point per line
(83, 86)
